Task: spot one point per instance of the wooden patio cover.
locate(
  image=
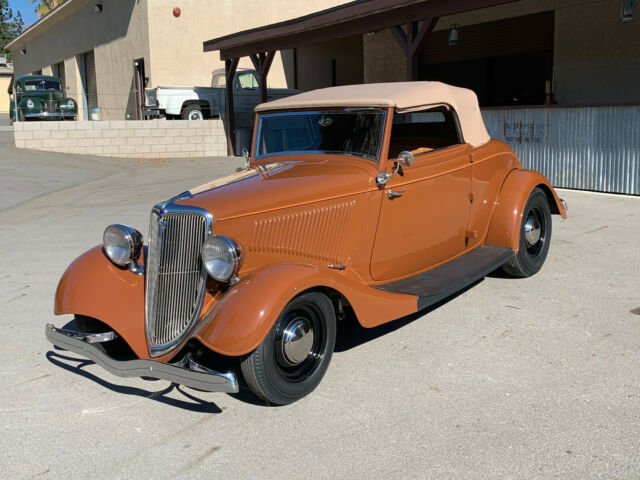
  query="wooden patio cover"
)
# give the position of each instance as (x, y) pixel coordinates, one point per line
(403, 17)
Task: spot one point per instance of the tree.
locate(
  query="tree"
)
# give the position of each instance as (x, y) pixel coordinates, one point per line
(45, 6)
(10, 26)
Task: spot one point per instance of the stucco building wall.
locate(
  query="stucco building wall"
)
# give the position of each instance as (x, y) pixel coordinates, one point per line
(5, 80)
(176, 43)
(117, 35)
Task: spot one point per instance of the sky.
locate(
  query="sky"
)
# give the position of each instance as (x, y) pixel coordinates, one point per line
(26, 9)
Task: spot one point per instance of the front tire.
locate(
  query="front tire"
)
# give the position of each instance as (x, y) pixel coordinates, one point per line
(294, 356)
(535, 237)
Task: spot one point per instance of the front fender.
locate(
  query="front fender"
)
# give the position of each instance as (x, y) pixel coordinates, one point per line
(38, 105)
(504, 229)
(240, 321)
(94, 287)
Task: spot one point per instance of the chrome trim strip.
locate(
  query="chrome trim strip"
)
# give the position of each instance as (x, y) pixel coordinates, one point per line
(192, 375)
(162, 209)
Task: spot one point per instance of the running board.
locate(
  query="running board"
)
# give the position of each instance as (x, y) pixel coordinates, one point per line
(434, 285)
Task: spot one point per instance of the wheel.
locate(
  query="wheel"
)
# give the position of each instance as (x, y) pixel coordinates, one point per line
(535, 237)
(192, 112)
(20, 115)
(296, 352)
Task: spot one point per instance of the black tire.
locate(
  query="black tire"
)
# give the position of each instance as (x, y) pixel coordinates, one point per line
(276, 371)
(191, 111)
(20, 115)
(535, 237)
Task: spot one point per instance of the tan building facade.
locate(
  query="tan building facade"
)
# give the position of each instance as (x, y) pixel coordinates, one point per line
(524, 52)
(6, 74)
(96, 47)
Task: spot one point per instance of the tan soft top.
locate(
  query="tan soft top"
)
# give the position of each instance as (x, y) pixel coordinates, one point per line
(403, 96)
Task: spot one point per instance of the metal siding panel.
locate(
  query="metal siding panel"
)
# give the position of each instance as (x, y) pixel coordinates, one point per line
(586, 148)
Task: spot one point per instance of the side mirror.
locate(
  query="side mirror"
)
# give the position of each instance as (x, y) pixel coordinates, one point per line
(406, 158)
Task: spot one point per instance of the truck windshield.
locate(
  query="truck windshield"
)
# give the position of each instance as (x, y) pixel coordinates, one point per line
(41, 85)
(343, 132)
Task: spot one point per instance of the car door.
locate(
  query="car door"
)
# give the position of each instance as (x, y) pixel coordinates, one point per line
(424, 210)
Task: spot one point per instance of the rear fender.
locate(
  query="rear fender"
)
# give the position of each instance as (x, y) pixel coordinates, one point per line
(240, 321)
(504, 229)
(94, 287)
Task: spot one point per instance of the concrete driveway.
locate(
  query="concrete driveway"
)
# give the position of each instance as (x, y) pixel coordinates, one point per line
(533, 378)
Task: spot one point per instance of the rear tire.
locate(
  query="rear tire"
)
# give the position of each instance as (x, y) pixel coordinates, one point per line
(535, 237)
(192, 112)
(294, 356)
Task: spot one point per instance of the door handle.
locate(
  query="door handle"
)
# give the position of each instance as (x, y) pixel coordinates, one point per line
(391, 194)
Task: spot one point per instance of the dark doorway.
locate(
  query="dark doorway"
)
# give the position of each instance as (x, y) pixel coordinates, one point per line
(91, 84)
(138, 87)
(506, 62)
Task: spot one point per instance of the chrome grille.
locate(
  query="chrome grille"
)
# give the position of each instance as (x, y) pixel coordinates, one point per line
(50, 106)
(175, 275)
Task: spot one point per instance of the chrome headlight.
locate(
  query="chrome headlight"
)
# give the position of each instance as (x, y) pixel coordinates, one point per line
(122, 244)
(29, 103)
(71, 103)
(222, 257)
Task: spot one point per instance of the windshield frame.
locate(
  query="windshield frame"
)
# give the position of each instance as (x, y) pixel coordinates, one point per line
(373, 159)
(30, 81)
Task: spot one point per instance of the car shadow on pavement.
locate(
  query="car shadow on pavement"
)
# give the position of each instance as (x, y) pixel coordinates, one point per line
(195, 405)
(351, 334)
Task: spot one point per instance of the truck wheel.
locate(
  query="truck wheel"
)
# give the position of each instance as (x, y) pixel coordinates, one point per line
(294, 356)
(192, 112)
(20, 115)
(535, 237)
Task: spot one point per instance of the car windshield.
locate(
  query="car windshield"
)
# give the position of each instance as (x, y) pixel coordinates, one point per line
(40, 84)
(356, 132)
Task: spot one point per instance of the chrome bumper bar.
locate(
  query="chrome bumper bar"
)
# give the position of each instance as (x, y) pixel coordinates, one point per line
(187, 372)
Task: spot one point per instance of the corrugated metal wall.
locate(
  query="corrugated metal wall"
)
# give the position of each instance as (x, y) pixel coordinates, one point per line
(586, 148)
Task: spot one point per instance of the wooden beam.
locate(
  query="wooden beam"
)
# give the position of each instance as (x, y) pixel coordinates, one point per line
(230, 67)
(262, 63)
(412, 42)
(338, 22)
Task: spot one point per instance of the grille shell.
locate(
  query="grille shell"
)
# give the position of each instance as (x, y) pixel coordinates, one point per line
(175, 275)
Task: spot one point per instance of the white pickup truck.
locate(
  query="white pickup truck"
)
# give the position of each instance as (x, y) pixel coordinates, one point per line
(197, 103)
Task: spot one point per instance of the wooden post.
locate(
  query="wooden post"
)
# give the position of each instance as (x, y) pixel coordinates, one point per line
(230, 67)
(262, 63)
(412, 42)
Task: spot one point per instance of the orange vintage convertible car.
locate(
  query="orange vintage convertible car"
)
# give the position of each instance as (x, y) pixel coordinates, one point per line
(371, 200)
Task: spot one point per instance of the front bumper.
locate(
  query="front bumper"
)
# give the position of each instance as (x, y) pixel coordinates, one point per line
(46, 115)
(187, 372)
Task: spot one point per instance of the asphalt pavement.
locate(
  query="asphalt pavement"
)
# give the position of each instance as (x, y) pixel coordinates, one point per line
(514, 378)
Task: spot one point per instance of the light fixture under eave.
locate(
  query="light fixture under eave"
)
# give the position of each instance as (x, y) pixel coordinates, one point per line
(454, 34)
(628, 10)
(23, 51)
(97, 7)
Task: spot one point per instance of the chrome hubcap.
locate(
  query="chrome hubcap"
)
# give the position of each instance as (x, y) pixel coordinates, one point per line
(297, 341)
(532, 230)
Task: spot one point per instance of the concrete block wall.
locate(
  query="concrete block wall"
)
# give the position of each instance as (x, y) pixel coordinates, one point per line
(125, 138)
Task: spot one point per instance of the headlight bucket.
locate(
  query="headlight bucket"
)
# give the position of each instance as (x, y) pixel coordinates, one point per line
(71, 104)
(122, 244)
(30, 103)
(222, 257)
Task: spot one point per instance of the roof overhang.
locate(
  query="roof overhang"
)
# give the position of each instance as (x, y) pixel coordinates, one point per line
(59, 13)
(352, 18)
